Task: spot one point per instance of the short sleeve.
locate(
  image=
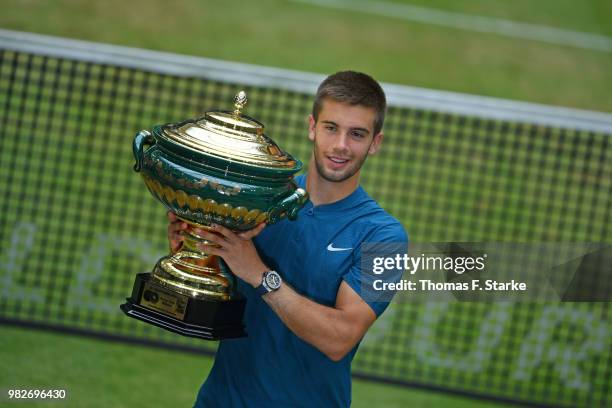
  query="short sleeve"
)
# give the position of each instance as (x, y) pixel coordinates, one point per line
(375, 266)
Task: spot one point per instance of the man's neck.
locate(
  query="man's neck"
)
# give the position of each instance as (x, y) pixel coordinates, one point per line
(322, 191)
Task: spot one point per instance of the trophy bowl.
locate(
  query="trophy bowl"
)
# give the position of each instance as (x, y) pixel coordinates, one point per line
(222, 169)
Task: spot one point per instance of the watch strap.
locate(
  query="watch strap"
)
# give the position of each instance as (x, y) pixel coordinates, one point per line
(262, 290)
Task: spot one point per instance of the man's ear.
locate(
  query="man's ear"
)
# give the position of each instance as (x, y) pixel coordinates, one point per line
(375, 145)
(312, 123)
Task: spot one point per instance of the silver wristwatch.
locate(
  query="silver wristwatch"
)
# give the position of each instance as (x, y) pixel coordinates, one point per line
(270, 282)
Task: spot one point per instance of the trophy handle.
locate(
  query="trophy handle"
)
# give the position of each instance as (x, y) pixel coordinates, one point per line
(142, 139)
(290, 205)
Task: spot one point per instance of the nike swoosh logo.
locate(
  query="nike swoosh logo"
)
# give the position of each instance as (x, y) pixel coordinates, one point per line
(331, 248)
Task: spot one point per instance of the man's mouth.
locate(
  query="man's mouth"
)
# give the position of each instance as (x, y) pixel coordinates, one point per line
(336, 163)
(337, 159)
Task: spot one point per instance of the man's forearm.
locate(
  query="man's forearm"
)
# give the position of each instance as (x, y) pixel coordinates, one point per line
(321, 326)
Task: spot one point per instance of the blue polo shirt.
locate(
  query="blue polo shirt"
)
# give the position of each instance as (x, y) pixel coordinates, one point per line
(272, 367)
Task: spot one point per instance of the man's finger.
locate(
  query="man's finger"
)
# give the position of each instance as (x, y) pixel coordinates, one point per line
(171, 216)
(210, 236)
(226, 232)
(175, 244)
(211, 249)
(176, 227)
(252, 233)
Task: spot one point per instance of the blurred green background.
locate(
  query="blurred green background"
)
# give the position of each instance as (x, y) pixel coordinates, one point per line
(312, 38)
(309, 38)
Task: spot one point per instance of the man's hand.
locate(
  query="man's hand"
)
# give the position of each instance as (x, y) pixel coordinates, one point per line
(175, 227)
(237, 250)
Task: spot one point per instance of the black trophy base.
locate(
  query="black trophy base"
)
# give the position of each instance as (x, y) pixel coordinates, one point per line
(201, 318)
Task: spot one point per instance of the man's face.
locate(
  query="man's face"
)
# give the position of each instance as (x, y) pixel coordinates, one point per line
(343, 137)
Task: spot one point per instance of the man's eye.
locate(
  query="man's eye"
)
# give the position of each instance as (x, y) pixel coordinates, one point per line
(357, 135)
(330, 128)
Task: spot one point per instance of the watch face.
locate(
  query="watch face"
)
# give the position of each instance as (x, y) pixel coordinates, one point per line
(273, 280)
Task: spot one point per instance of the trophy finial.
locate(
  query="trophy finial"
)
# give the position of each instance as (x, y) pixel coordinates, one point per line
(240, 101)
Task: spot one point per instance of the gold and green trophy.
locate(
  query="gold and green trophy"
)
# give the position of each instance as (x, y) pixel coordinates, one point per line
(223, 169)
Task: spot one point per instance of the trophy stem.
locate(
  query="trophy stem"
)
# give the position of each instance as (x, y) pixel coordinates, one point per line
(193, 272)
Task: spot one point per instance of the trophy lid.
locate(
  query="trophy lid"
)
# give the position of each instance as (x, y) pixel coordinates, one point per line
(230, 136)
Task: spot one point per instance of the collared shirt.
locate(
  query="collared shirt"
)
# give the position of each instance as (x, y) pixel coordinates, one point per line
(272, 367)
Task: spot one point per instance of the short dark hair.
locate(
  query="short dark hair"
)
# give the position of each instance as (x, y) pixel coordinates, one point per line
(354, 88)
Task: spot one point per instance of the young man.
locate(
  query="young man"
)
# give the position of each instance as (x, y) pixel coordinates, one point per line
(303, 333)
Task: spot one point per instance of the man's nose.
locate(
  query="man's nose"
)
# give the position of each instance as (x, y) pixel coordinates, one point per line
(341, 143)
